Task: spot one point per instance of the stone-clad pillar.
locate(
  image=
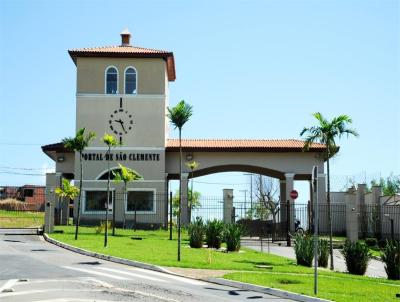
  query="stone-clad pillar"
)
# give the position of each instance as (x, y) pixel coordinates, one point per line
(52, 182)
(351, 215)
(289, 187)
(184, 201)
(228, 205)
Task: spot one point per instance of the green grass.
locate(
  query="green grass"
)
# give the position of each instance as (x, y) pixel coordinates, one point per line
(155, 248)
(334, 286)
(21, 219)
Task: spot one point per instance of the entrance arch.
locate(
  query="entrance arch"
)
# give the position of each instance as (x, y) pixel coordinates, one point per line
(282, 159)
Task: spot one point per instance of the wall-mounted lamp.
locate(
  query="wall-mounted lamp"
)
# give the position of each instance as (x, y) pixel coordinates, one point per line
(60, 159)
(189, 157)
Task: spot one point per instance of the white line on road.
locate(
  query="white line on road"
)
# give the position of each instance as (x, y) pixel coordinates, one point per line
(8, 284)
(131, 274)
(168, 276)
(95, 273)
(39, 291)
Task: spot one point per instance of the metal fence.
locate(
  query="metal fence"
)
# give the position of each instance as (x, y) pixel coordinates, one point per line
(381, 222)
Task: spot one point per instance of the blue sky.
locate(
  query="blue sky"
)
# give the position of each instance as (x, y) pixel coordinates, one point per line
(251, 69)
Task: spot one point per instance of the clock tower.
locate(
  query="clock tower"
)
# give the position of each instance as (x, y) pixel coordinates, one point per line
(123, 90)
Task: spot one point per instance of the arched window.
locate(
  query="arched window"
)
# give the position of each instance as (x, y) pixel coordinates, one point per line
(130, 80)
(111, 80)
(104, 176)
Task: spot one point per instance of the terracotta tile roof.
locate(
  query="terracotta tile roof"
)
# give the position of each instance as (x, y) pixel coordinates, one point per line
(241, 145)
(127, 52)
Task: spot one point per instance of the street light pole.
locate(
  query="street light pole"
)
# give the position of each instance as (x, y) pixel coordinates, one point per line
(251, 193)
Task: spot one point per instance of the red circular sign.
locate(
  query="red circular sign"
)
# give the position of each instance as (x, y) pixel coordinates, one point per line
(294, 194)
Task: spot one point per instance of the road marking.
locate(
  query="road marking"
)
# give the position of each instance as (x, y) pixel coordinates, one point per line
(8, 285)
(95, 273)
(39, 291)
(131, 274)
(168, 276)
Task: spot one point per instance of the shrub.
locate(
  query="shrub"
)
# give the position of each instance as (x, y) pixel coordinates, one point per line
(196, 232)
(100, 228)
(232, 234)
(357, 256)
(323, 253)
(382, 243)
(214, 233)
(391, 258)
(304, 249)
(371, 242)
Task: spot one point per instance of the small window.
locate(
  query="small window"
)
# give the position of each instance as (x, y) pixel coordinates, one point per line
(95, 201)
(111, 80)
(130, 81)
(140, 201)
(28, 193)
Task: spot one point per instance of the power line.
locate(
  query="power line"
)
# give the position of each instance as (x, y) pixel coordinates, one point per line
(219, 183)
(17, 173)
(25, 169)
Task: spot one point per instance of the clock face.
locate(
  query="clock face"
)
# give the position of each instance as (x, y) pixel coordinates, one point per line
(120, 122)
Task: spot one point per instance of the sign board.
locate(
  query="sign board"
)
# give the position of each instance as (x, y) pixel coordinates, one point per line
(294, 194)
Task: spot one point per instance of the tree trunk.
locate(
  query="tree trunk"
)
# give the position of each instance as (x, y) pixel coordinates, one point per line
(108, 198)
(80, 197)
(180, 195)
(328, 200)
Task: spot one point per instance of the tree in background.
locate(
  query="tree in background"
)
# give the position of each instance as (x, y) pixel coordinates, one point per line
(326, 132)
(78, 144)
(193, 201)
(126, 175)
(111, 142)
(178, 116)
(192, 166)
(267, 199)
(390, 186)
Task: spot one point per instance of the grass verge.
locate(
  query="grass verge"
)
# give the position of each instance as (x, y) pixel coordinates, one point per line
(156, 248)
(21, 219)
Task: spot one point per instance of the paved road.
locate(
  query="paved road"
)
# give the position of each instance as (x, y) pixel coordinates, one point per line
(34, 270)
(376, 268)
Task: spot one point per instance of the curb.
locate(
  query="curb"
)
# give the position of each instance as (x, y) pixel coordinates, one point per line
(265, 290)
(106, 257)
(219, 281)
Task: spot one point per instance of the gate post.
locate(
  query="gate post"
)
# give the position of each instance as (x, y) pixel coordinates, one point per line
(228, 205)
(52, 181)
(288, 241)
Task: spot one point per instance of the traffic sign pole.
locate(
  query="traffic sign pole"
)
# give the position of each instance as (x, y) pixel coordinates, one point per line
(316, 223)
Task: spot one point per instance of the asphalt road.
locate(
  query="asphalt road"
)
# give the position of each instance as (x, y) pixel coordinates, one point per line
(34, 270)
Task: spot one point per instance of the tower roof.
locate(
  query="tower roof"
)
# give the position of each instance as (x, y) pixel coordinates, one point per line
(125, 50)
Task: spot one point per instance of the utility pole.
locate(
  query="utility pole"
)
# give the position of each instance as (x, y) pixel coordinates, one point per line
(251, 193)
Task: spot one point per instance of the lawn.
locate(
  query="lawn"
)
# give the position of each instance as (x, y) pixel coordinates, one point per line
(155, 248)
(21, 219)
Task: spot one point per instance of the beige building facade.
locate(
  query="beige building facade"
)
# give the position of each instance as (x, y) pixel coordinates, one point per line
(123, 90)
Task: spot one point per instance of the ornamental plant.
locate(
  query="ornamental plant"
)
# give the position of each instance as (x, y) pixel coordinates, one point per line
(323, 253)
(214, 233)
(196, 232)
(391, 258)
(304, 249)
(357, 256)
(232, 234)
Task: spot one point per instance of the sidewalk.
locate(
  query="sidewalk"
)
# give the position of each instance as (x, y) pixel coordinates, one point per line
(375, 267)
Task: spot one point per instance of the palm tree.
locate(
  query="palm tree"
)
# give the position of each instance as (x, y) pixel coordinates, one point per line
(178, 116)
(126, 175)
(192, 166)
(326, 132)
(110, 141)
(67, 190)
(79, 144)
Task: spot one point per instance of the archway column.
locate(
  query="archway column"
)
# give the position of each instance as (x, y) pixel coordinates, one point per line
(184, 201)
